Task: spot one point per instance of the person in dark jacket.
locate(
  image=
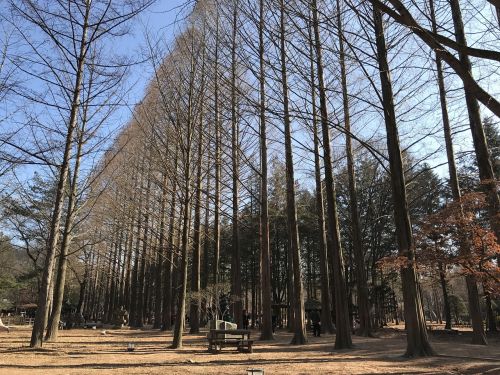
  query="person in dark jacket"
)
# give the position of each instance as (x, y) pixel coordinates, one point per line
(316, 323)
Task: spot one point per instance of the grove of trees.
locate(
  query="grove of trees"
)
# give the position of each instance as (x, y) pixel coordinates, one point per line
(287, 156)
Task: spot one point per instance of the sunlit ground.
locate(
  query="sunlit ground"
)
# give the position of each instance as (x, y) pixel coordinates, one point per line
(91, 352)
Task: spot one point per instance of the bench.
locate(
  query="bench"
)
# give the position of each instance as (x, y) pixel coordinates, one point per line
(239, 338)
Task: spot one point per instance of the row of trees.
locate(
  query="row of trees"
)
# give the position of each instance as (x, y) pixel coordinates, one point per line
(185, 203)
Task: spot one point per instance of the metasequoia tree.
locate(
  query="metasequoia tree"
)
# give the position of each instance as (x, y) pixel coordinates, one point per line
(362, 287)
(48, 24)
(474, 306)
(417, 339)
(237, 310)
(473, 92)
(33, 16)
(299, 336)
(326, 318)
(267, 331)
(218, 161)
(343, 330)
(191, 45)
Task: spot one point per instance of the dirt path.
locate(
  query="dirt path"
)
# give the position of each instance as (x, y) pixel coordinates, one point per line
(90, 352)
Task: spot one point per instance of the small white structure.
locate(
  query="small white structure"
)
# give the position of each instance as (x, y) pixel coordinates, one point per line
(221, 324)
(255, 371)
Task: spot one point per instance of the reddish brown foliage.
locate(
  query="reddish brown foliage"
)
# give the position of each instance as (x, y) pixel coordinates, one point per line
(458, 237)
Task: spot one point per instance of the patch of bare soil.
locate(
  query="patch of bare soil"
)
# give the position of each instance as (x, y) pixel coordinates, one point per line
(91, 352)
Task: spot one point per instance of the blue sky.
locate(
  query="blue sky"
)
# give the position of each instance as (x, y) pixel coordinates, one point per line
(161, 21)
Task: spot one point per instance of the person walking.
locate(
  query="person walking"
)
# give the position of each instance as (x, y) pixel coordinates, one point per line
(316, 323)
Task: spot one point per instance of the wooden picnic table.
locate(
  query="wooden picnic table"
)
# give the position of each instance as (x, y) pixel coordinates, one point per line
(221, 338)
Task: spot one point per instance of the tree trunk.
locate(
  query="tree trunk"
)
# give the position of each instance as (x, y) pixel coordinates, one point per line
(218, 171)
(343, 331)
(444, 288)
(417, 339)
(484, 163)
(167, 293)
(359, 256)
(194, 314)
(141, 277)
(55, 316)
(479, 336)
(44, 294)
(266, 328)
(299, 337)
(180, 320)
(492, 324)
(326, 303)
(237, 308)
(206, 249)
(161, 257)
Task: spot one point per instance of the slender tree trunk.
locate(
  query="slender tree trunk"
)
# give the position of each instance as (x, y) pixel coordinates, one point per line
(299, 336)
(186, 154)
(237, 308)
(55, 316)
(161, 257)
(444, 288)
(141, 277)
(127, 284)
(206, 248)
(492, 324)
(417, 340)
(479, 336)
(134, 283)
(167, 293)
(343, 331)
(194, 315)
(266, 328)
(180, 320)
(359, 256)
(218, 167)
(326, 303)
(44, 294)
(483, 156)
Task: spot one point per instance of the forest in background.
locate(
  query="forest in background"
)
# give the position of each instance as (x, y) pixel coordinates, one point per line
(286, 156)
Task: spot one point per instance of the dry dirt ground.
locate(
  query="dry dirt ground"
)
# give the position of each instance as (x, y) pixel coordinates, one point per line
(91, 352)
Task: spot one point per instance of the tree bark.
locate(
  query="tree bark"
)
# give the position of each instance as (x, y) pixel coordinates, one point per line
(479, 336)
(417, 339)
(299, 336)
(343, 327)
(267, 328)
(167, 293)
(55, 316)
(326, 303)
(180, 320)
(237, 308)
(483, 156)
(141, 277)
(218, 168)
(444, 288)
(194, 315)
(44, 294)
(359, 255)
(161, 257)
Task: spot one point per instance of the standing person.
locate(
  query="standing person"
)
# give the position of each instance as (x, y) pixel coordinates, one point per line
(316, 323)
(246, 320)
